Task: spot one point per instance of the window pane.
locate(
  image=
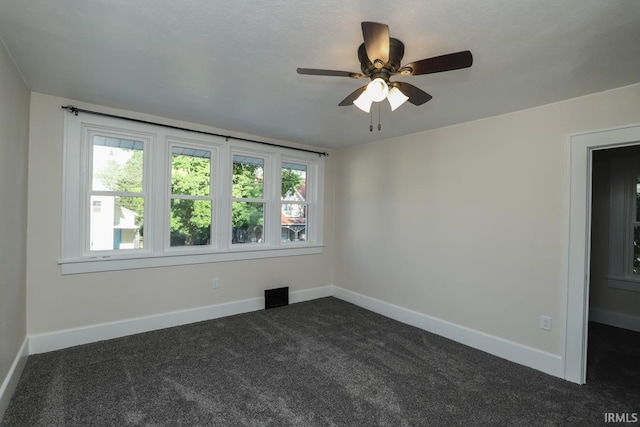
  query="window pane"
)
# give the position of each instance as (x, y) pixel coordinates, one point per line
(248, 177)
(636, 249)
(294, 181)
(190, 222)
(294, 222)
(638, 198)
(116, 223)
(117, 164)
(190, 171)
(248, 222)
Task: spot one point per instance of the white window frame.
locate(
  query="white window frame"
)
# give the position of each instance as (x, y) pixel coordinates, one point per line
(87, 184)
(214, 149)
(622, 215)
(310, 201)
(268, 185)
(157, 188)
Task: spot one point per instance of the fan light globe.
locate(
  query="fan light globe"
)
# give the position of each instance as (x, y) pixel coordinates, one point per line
(377, 90)
(396, 98)
(363, 102)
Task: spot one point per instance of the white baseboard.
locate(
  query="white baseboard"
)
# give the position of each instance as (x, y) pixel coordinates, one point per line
(309, 294)
(518, 353)
(13, 376)
(57, 340)
(612, 318)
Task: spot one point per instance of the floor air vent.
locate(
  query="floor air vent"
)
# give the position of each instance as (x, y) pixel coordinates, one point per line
(276, 297)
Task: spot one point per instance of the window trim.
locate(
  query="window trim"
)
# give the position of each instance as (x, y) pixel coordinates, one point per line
(622, 209)
(214, 178)
(309, 199)
(157, 250)
(86, 168)
(268, 184)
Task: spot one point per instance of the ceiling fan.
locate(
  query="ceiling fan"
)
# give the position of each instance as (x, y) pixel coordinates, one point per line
(380, 57)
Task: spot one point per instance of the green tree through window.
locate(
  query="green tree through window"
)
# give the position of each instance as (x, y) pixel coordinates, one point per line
(190, 220)
(190, 217)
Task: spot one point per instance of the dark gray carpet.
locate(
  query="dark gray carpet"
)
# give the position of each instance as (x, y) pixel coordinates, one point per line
(318, 363)
(613, 361)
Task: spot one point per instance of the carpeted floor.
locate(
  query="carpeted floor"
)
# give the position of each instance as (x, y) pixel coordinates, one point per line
(613, 361)
(318, 363)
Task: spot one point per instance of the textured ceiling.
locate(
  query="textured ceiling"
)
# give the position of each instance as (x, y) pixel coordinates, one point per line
(232, 64)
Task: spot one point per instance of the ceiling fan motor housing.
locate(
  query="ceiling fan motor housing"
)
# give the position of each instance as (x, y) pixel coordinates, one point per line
(396, 52)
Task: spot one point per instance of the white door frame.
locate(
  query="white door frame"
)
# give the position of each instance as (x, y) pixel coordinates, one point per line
(577, 312)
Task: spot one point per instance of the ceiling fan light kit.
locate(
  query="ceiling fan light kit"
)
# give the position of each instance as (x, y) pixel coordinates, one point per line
(396, 98)
(377, 90)
(380, 59)
(363, 102)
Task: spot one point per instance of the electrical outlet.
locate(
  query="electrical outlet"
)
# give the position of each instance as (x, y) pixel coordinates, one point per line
(545, 323)
(216, 283)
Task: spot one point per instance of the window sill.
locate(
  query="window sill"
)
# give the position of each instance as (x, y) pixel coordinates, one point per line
(79, 266)
(624, 283)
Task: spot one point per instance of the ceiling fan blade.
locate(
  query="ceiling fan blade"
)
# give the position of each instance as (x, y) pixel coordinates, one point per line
(376, 41)
(437, 64)
(416, 96)
(353, 96)
(332, 73)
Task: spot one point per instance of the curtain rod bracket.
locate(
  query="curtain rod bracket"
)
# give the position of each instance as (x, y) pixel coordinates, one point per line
(71, 109)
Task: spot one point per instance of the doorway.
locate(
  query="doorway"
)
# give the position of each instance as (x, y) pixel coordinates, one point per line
(582, 147)
(613, 345)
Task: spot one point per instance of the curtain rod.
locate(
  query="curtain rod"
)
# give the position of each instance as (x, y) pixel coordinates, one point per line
(75, 110)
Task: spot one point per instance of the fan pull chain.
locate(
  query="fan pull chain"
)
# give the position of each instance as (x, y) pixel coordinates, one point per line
(371, 120)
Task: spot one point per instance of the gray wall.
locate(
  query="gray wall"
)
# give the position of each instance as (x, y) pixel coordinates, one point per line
(469, 223)
(57, 302)
(14, 139)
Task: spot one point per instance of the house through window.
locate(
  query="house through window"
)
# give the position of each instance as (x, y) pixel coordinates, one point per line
(293, 202)
(116, 194)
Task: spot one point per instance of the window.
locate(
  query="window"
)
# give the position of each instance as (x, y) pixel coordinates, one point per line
(294, 206)
(191, 201)
(624, 224)
(141, 195)
(248, 200)
(116, 192)
(634, 226)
